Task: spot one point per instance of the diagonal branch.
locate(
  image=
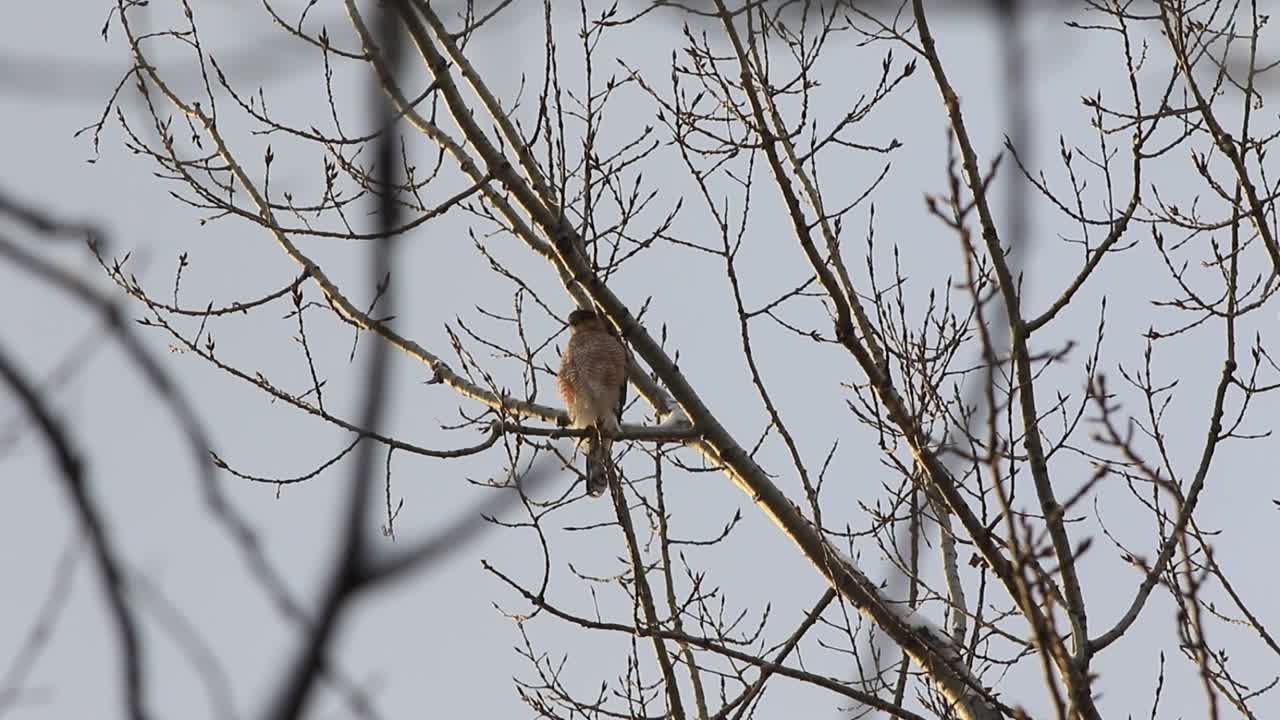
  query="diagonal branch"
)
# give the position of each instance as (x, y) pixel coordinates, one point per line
(1173, 29)
(71, 472)
(1049, 505)
(934, 653)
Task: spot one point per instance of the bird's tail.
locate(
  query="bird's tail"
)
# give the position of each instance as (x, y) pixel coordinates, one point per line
(599, 465)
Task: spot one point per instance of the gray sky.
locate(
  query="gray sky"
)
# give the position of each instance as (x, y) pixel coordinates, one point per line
(437, 645)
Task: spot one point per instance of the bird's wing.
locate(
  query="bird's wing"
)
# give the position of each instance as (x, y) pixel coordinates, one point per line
(622, 397)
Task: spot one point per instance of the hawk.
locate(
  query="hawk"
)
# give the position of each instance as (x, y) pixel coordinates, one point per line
(593, 384)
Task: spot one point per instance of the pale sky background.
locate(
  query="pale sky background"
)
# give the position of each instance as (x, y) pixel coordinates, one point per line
(436, 646)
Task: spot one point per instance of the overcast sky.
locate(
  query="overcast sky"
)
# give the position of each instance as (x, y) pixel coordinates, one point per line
(437, 646)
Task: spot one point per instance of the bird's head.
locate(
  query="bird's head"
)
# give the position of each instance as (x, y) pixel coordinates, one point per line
(583, 319)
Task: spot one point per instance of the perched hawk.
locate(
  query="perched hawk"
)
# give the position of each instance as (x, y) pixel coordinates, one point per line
(593, 383)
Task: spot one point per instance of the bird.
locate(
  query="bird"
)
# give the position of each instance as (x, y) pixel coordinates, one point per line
(593, 385)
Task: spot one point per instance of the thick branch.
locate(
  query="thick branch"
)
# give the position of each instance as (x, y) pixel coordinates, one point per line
(936, 654)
